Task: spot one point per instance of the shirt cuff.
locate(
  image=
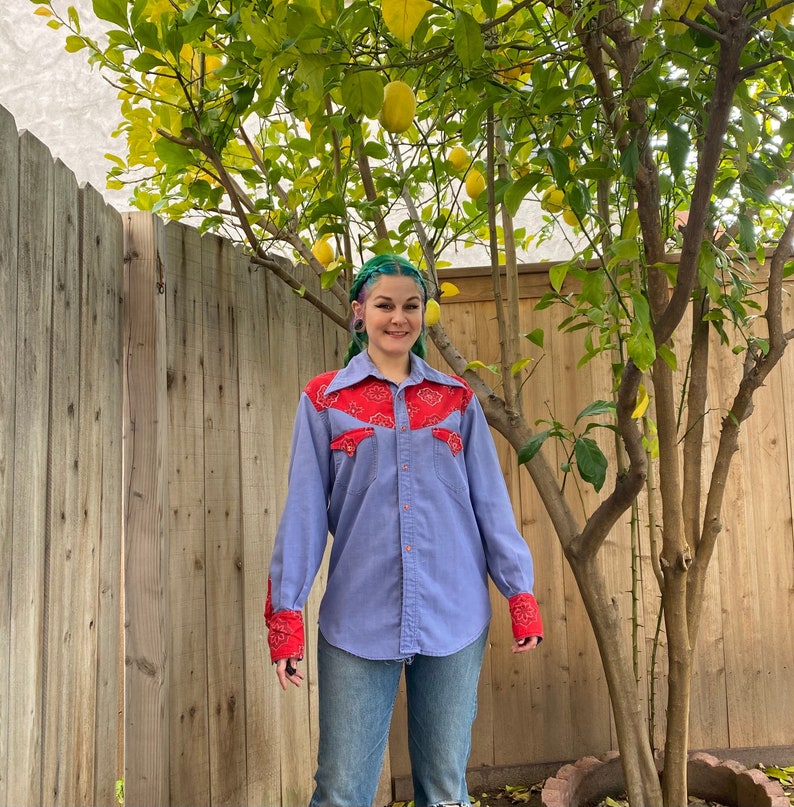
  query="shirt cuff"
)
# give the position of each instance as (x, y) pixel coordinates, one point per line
(285, 636)
(525, 616)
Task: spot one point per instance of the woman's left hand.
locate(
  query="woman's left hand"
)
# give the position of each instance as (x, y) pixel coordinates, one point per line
(523, 645)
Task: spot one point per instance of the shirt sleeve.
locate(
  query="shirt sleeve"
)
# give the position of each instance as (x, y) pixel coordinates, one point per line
(303, 527)
(507, 554)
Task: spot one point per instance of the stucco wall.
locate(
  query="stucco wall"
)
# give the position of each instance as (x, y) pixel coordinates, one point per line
(74, 110)
(56, 95)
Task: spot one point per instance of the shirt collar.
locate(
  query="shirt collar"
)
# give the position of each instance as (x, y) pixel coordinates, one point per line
(361, 367)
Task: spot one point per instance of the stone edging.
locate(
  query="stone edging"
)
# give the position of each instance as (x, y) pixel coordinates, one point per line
(589, 780)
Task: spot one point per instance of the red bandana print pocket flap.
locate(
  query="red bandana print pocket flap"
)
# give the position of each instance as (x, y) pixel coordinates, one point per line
(349, 441)
(452, 439)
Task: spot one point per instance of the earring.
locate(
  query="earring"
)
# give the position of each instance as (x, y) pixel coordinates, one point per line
(358, 326)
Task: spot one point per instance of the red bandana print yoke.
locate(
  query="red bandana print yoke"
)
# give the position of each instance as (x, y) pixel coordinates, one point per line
(370, 401)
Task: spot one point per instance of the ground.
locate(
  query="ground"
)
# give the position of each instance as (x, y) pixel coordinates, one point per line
(512, 795)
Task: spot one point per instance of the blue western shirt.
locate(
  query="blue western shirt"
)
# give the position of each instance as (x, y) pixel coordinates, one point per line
(407, 481)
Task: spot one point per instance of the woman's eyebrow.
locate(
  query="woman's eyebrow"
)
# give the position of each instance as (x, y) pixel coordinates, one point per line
(388, 299)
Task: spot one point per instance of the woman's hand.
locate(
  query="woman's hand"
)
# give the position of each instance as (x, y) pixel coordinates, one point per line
(523, 645)
(287, 670)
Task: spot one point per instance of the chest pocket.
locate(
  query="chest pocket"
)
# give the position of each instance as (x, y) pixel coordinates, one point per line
(448, 459)
(355, 459)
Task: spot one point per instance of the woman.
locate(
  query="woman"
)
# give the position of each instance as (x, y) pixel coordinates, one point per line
(395, 460)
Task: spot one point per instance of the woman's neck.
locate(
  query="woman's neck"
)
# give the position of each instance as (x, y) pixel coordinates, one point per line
(395, 369)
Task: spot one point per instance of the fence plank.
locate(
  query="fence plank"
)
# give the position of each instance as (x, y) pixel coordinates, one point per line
(67, 741)
(34, 296)
(551, 694)
(145, 513)
(771, 502)
(226, 695)
(101, 401)
(9, 223)
(259, 519)
(187, 696)
(297, 765)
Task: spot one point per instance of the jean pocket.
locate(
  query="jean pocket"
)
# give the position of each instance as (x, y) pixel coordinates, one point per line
(355, 459)
(448, 459)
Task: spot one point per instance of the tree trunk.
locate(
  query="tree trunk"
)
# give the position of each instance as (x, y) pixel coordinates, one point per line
(636, 754)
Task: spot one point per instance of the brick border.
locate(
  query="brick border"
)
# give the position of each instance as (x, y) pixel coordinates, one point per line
(590, 779)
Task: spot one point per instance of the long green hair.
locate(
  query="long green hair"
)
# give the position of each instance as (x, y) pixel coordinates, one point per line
(362, 283)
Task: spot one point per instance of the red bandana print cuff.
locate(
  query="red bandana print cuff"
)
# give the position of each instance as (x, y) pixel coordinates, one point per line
(525, 616)
(285, 635)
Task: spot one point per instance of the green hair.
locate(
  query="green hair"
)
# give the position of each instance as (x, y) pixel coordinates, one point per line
(366, 276)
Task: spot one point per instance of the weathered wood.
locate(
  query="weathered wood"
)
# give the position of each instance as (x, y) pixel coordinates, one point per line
(9, 223)
(311, 362)
(226, 695)
(187, 695)
(259, 519)
(145, 515)
(294, 748)
(102, 357)
(67, 741)
(776, 547)
(29, 506)
(549, 664)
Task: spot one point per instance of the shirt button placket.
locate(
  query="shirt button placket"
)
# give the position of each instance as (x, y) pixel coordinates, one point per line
(404, 491)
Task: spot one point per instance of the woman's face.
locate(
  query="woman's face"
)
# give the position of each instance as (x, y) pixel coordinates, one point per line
(392, 313)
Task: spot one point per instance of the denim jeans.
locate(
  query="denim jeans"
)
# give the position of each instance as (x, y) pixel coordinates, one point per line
(356, 701)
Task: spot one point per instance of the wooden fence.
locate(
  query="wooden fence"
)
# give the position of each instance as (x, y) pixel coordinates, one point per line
(147, 392)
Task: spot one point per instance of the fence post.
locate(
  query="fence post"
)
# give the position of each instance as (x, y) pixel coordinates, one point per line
(145, 515)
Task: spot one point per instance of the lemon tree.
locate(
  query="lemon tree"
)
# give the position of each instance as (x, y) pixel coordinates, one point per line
(660, 135)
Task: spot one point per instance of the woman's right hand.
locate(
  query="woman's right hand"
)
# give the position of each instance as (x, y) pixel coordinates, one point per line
(287, 670)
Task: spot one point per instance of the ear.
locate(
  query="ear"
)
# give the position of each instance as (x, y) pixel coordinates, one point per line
(357, 309)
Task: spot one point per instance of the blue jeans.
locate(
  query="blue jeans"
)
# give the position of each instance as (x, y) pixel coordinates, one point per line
(356, 701)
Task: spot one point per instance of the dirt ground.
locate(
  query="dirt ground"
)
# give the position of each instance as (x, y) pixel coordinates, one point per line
(529, 795)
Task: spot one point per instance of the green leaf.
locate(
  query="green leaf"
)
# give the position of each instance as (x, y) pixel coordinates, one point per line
(362, 93)
(596, 408)
(74, 43)
(536, 337)
(478, 365)
(146, 61)
(469, 44)
(558, 161)
(579, 199)
(678, 145)
(591, 462)
(174, 156)
(641, 349)
(746, 233)
(557, 275)
(517, 192)
(518, 366)
(114, 11)
(630, 160)
(532, 446)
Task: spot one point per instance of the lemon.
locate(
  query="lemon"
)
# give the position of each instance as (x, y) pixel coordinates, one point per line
(323, 251)
(475, 183)
(569, 217)
(781, 15)
(432, 313)
(212, 63)
(399, 106)
(553, 200)
(459, 158)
